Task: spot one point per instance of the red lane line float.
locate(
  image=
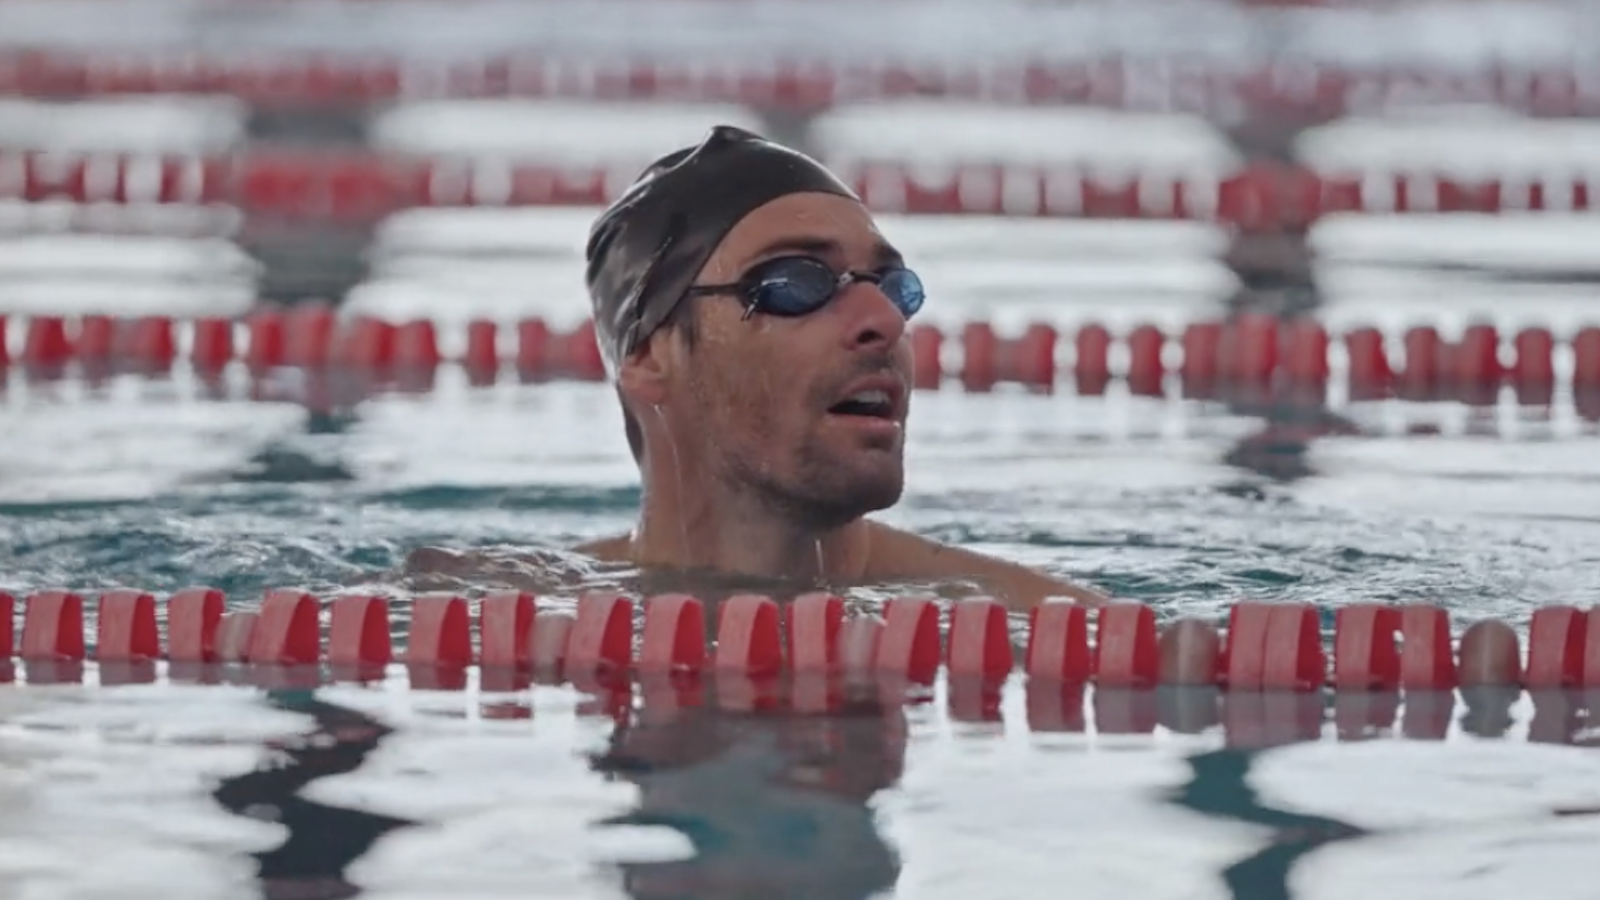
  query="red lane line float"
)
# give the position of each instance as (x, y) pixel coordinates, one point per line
(308, 335)
(980, 641)
(52, 627)
(910, 645)
(416, 345)
(1247, 349)
(286, 631)
(1370, 375)
(674, 637)
(749, 641)
(97, 339)
(8, 639)
(1147, 370)
(1058, 663)
(439, 645)
(1366, 655)
(45, 344)
(980, 658)
(266, 342)
(358, 634)
(1426, 660)
(601, 639)
(927, 345)
(1091, 368)
(980, 370)
(212, 347)
(1058, 643)
(1586, 357)
(1478, 370)
(1558, 643)
(749, 653)
(1126, 653)
(505, 634)
(505, 623)
(482, 357)
(365, 342)
(193, 616)
(812, 623)
(153, 346)
(126, 627)
(1305, 352)
(440, 632)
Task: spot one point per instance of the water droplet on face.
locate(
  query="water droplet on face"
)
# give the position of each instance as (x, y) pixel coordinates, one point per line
(677, 478)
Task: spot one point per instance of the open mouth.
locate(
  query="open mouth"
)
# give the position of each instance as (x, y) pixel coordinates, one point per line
(868, 404)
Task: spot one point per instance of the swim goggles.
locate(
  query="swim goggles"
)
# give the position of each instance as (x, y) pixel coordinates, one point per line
(800, 285)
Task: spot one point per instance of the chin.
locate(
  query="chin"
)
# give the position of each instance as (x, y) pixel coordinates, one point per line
(874, 494)
(840, 501)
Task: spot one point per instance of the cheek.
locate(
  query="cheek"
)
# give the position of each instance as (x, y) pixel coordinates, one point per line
(749, 385)
(726, 387)
(904, 354)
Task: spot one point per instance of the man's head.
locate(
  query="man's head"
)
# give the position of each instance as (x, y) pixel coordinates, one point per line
(742, 297)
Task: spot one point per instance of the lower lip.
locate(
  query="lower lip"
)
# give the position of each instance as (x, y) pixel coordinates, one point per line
(872, 425)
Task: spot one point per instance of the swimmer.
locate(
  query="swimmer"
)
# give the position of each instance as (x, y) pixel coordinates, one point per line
(753, 318)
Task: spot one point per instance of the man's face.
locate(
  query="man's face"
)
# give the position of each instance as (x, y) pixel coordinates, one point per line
(768, 394)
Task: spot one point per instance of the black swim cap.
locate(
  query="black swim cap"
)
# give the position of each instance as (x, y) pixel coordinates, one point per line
(648, 247)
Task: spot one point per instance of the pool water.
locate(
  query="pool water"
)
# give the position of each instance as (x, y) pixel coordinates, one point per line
(218, 791)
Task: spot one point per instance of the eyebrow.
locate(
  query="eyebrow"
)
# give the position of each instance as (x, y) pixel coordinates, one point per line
(883, 253)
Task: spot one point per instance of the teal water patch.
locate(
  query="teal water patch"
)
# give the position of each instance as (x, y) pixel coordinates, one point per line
(538, 498)
(246, 540)
(1195, 551)
(1186, 550)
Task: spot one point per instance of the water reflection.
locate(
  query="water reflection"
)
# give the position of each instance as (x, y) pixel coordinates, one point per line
(772, 783)
(1255, 724)
(775, 801)
(1220, 787)
(323, 840)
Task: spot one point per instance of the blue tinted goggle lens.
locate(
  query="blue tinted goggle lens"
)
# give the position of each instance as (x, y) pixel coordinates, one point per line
(798, 286)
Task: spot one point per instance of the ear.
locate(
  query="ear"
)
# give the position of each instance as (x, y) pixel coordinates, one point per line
(646, 374)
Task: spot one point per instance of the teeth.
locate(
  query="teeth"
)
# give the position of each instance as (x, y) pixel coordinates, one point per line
(874, 397)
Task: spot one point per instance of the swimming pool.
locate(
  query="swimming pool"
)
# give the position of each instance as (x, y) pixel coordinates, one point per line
(177, 790)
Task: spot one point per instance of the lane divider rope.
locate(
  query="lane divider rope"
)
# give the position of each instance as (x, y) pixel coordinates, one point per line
(361, 187)
(1321, 88)
(1268, 666)
(1248, 355)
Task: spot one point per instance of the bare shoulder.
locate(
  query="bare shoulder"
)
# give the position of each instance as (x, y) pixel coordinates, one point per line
(901, 554)
(509, 567)
(609, 549)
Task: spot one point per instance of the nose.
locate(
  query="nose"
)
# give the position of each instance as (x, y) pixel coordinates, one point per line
(873, 321)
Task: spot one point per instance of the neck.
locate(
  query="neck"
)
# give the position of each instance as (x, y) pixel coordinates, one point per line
(723, 529)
